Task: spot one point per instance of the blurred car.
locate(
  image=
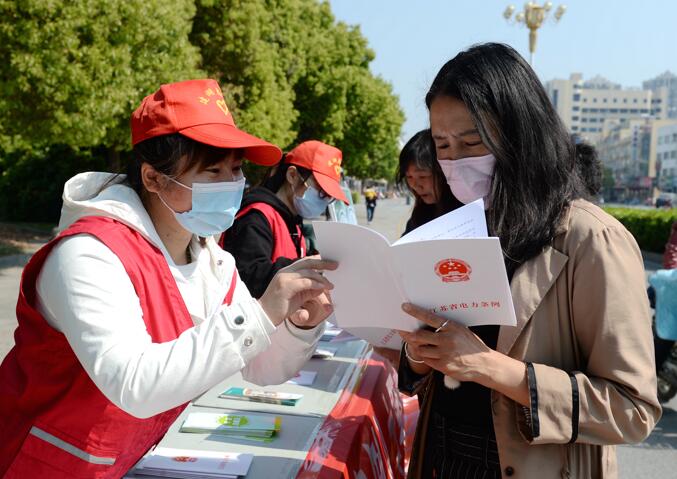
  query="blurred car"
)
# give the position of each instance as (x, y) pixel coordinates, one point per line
(663, 202)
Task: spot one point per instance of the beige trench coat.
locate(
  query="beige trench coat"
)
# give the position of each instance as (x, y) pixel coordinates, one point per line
(583, 322)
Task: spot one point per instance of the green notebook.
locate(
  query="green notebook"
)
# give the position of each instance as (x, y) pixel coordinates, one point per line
(248, 426)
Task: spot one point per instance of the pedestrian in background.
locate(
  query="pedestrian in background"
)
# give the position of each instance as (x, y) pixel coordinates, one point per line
(370, 197)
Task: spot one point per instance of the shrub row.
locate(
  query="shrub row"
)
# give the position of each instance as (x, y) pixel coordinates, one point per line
(651, 228)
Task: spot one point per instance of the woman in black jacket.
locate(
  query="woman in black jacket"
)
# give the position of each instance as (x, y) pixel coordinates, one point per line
(267, 235)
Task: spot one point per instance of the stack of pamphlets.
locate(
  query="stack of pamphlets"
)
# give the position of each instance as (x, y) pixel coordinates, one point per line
(189, 464)
(259, 395)
(255, 427)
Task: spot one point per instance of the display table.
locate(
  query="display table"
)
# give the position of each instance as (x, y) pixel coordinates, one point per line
(350, 422)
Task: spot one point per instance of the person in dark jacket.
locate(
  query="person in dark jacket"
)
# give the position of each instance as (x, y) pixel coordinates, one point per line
(370, 196)
(267, 234)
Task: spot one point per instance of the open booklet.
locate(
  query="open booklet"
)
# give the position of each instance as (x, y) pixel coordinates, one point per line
(449, 265)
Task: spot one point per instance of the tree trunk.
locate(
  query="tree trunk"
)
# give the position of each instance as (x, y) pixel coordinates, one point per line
(113, 160)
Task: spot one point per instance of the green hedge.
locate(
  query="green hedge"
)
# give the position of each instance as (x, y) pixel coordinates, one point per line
(651, 228)
(356, 197)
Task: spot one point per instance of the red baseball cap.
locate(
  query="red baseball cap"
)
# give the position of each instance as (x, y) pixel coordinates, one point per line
(325, 163)
(197, 109)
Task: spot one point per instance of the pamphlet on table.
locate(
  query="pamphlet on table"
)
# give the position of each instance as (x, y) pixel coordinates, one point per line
(244, 426)
(449, 266)
(188, 463)
(259, 395)
(303, 378)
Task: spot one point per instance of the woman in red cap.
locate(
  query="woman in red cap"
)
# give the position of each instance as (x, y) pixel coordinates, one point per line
(134, 310)
(267, 235)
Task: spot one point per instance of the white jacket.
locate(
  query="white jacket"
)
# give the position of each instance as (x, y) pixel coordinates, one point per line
(84, 292)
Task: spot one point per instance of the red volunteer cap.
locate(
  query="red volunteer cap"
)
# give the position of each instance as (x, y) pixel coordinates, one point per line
(197, 109)
(325, 163)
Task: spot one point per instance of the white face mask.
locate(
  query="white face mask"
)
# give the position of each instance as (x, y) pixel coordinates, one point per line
(470, 178)
(214, 206)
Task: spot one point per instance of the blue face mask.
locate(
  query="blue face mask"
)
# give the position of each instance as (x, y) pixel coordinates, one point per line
(311, 204)
(214, 206)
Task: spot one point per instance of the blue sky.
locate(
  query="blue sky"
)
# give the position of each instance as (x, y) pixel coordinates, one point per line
(624, 41)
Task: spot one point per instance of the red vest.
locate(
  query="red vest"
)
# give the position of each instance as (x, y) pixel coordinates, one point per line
(284, 244)
(54, 421)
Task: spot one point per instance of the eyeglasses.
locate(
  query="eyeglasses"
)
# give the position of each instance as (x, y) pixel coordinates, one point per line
(321, 193)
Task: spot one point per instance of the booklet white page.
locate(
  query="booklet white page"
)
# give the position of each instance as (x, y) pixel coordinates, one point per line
(366, 290)
(468, 221)
(448, 265)
(199, 462)
(461, 279)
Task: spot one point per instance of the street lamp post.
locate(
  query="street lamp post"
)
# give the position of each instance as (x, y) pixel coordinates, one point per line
(533, 17)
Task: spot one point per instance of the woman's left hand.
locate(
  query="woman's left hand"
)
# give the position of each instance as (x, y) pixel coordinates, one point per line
(457, 352)
(318, 309)
(454, 350)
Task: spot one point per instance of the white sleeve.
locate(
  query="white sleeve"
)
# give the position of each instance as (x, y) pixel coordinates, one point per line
(84, 292)
(290, 348)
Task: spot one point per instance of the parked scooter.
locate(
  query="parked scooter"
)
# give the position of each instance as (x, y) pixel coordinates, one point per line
(666, 377)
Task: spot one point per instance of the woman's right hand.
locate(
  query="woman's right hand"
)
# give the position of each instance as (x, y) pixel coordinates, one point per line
(293, 286)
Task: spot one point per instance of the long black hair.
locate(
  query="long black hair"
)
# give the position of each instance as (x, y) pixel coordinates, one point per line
(534, 178)
(589, 168)
(420, 152)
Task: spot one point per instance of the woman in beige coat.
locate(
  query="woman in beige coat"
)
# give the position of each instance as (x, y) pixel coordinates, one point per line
(550, 397)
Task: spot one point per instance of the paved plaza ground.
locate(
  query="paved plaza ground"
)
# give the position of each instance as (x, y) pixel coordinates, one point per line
(654, 458)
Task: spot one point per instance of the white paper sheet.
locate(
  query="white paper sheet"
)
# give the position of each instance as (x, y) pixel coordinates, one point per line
(468, 221)
(199, 462)
(368, 288)
(380, 337)
(480, 297)
(303, 378)
(448, 265)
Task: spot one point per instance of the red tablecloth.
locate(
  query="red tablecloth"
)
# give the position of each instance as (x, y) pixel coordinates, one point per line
(368, 434)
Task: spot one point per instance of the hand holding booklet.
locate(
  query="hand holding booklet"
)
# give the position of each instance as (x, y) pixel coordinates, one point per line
(448, 265)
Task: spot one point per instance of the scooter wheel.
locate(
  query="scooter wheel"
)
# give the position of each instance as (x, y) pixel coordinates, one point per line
(666, 390)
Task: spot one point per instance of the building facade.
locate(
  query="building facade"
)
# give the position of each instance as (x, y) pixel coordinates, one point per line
(641, 155)
(665, 155)
(625, 150)
(592, 108)
(668, 81)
